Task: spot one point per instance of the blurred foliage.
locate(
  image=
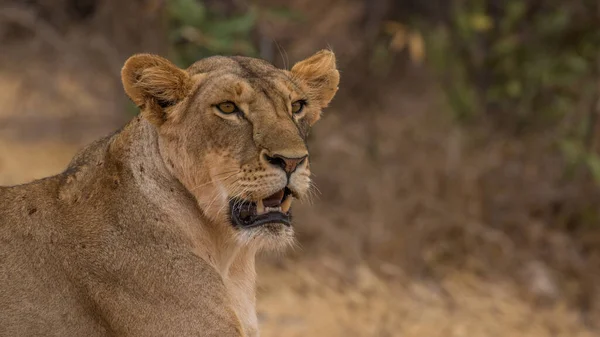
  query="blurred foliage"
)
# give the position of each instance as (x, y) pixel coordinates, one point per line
(404, 38)
(528, 63)
(523, 65)
(397, 38)
(196, 31)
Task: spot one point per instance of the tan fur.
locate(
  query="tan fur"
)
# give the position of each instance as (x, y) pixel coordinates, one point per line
(134, 238)
(321, 76)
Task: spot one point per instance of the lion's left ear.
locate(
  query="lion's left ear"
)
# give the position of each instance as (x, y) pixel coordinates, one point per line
(154, 83)
(319, 72)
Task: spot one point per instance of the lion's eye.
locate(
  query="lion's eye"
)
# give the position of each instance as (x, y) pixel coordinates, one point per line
(227, 107)
(297, 107)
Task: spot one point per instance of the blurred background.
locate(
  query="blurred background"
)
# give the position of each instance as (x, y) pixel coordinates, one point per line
(458, 167)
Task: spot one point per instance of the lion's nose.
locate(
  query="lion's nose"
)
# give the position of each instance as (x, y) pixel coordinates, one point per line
(289, 165)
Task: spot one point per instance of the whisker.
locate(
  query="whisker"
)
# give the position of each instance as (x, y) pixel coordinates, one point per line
(312, 193)
(315, 187)
(282, 51)
(235, 196)
(216, 196)
(214, 199)
(226, 172)
(215, 181)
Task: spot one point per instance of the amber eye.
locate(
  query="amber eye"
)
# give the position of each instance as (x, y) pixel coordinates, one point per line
(227, 107)
(297, 107)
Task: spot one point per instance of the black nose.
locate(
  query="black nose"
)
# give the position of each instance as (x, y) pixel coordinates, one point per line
(289, 165)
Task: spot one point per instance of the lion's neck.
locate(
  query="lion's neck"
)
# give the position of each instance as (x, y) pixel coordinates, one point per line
(140, 146)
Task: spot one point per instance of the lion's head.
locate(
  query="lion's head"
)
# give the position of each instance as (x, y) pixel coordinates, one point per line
(233, 130)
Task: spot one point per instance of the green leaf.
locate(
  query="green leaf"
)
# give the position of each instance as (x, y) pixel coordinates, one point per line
(515, 10)
(283, 14)
(554, 22)
(463, 100)
(240, 25)
(188, 12)
(593, 162)
(514, 88)
(480, 22)
(572, 150)
(505, 45)
(463, 25)
(577, 63)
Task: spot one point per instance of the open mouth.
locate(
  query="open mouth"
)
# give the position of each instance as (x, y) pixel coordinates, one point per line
(272, 209)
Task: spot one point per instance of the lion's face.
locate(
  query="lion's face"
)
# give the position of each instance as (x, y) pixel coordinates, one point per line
(233, 130)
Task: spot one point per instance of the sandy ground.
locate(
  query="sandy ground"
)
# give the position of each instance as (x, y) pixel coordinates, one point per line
(302, 299)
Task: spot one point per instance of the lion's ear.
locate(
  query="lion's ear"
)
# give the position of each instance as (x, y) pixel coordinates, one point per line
(154, 83)
(319, 72)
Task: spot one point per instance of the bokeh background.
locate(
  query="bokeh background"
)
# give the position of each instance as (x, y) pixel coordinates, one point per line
(458, 167)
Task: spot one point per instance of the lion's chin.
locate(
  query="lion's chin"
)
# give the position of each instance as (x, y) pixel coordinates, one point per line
(269, 236)
(264, 224)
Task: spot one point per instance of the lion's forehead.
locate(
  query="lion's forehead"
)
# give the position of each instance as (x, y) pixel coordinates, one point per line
(243, 78)
(243, 66)
(260, 94)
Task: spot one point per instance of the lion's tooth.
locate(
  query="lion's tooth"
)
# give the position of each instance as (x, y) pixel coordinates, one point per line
(260, 207)
(286, 204)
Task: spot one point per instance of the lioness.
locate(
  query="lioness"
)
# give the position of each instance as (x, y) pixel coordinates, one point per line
(153, 231)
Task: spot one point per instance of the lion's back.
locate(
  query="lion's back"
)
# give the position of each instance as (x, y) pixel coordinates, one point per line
(36, 297)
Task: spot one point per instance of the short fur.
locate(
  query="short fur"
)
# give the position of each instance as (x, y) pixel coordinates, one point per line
(134, 238)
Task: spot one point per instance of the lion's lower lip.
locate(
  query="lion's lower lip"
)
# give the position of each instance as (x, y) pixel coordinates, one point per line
(248, 214)
(258, 220)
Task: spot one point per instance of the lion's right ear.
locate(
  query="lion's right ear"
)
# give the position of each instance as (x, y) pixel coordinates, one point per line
(154, 83)
(320, 74)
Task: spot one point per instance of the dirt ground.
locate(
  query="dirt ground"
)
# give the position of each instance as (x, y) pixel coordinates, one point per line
(309, 298)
